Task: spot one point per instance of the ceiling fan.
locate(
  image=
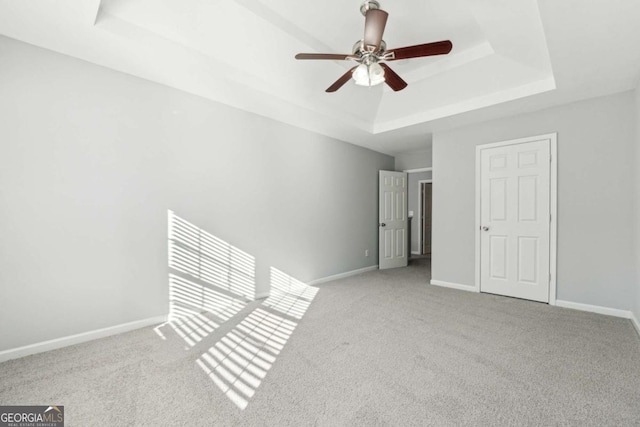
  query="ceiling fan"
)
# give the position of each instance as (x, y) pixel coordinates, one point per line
(372, 50)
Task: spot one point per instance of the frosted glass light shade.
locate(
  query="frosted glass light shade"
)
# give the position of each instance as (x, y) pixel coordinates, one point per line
(376, 74)
(370, 75)
(361, 75)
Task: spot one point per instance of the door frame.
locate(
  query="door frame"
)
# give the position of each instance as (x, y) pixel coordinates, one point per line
(420, 182)
(553, 206)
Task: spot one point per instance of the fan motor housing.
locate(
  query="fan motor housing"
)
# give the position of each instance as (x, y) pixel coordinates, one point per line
(358, 49)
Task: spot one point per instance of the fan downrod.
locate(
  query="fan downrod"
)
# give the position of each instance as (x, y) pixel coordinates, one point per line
(369, 5)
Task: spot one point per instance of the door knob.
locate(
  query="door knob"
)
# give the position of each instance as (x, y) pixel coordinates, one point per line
(382, 224)
(485, 228)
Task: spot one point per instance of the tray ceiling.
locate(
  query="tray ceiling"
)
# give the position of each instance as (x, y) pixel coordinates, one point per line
(241, 53)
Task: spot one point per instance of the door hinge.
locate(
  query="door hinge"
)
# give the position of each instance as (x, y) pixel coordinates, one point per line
(550, 220)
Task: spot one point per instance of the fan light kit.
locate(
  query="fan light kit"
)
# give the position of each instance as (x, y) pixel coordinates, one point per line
(368, 75)
(371, 51)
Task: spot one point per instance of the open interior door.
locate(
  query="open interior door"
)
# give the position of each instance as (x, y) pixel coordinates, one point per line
(393, 220)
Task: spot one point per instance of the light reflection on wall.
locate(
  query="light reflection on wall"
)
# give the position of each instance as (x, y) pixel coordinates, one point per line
(239, 362)
(202, 255)
(187, 297)
(210, 281)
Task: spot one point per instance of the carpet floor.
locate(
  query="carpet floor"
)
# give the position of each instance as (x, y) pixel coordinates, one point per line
(381, 348)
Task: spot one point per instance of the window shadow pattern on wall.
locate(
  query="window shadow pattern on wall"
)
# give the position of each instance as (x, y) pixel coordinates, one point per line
(203, 256)
(239, 362)
(210, 281)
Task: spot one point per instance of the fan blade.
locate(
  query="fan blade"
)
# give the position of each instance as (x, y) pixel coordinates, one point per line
(375, 21)
(427, 49)
(394, 81)
(332, 56)
(341, 81)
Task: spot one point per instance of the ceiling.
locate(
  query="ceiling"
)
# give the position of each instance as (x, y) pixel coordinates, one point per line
(509, 56)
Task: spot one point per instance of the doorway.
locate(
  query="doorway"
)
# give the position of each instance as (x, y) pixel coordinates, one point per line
(516, 211)
(425, 198)
(415, 179)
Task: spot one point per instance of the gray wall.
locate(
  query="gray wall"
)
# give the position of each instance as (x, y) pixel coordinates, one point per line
(93, 159)
(596, 263)
(413, 199)
(414, 160)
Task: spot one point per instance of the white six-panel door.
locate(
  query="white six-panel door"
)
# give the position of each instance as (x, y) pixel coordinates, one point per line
(515, 217)
(392, 220)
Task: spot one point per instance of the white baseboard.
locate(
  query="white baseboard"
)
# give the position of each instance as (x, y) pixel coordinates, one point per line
(595, 309)
(342, 275)
(454, 286)
(415, 253)
(636, 323)
(41, 347)
(625, 314)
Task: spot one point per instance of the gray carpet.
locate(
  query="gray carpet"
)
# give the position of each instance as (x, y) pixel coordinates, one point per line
(383, 348)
